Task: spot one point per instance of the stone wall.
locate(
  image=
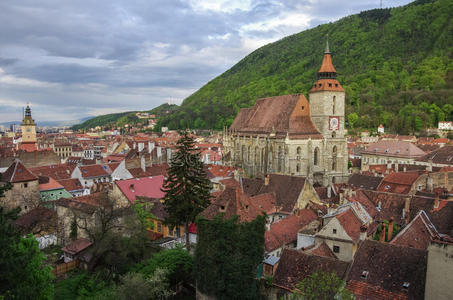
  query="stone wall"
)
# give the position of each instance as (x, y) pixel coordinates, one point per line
(22, 194)
(439, 273)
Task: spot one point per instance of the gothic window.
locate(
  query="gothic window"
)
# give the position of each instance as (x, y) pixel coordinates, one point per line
(248, 154)
(298, 153)
(334, 158)
(243, 153)
(256, 156)
(334, 103)
(316, 156)
(279, 158)
(334, 134)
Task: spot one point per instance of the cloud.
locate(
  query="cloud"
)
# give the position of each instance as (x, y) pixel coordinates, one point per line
(77, 58)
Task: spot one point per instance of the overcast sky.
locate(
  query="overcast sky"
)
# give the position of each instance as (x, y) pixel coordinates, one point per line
(72, 59)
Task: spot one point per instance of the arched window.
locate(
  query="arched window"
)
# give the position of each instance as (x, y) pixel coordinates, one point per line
(316, 156)
(279, 158)
(256, 156)
(334, 103)
(334, 158)
(298, 153)
(243, 153)
(248, 154)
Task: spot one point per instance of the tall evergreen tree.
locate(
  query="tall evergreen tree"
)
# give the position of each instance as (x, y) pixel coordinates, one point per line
(187, 186)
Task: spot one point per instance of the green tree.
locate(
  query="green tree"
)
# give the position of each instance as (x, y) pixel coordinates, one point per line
(227, 256)
(23, 275)
(187, 186)
(137, 286)
(321, 286)
(353, 119)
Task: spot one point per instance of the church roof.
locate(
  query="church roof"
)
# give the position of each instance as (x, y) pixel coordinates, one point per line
(327, 65)
(274, 115)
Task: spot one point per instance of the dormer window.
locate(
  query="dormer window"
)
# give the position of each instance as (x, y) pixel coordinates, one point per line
(406, 285)
(364, 274)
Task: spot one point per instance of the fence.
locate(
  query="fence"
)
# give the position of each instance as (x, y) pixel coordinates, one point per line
(65, 267)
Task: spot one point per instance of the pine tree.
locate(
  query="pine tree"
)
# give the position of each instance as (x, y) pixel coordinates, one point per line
(187, 186)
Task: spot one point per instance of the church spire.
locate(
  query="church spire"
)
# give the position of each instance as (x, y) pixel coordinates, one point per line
(327, 70)
(327, 51)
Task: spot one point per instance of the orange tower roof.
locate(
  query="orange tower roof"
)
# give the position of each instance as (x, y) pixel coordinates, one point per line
(327, 75)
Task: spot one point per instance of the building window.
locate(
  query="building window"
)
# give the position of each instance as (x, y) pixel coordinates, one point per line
(298, 168)
(25, 185)
(316, 156)
(334, 231)
(334, 158)
(159, 227)
(303, 107)
(336, 249)
(334, 104)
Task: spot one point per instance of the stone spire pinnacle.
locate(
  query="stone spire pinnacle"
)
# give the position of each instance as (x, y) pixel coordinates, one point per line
(327, 45)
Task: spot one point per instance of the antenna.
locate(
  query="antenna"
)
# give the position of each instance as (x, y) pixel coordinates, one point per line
(381, 4)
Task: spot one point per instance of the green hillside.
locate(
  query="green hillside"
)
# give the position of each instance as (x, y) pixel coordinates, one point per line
(120, 119)
(396, 66)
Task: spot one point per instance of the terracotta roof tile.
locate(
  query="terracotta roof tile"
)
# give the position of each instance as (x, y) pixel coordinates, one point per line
(17, 172)
(389, 267)
(322, 250)
(394, 148)
(295, 265)
(144, 187)
(93, 171)
(71, 184)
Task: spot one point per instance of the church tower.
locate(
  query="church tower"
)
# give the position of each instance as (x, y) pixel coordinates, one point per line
(28, 127)
(327, 99)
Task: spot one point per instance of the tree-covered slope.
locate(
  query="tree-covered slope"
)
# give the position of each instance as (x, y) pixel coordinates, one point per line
(396, 66)
(120, 119)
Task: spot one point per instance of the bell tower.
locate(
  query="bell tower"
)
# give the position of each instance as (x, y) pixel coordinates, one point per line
(28, 127)
(327, 99)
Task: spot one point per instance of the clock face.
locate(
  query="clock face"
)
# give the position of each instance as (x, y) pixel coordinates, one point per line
(334, 123)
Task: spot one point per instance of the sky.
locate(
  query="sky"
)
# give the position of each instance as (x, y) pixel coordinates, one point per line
(73, 59)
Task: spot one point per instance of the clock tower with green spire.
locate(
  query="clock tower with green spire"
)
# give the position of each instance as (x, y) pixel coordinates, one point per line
(28, 127)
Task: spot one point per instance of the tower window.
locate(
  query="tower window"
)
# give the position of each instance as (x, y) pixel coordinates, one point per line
(336, 84)
(330, 85)
(303, 107)
(316, 156)
(334, 103)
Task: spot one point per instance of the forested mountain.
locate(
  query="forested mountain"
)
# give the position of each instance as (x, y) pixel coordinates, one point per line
(120, 119)
(396, 66)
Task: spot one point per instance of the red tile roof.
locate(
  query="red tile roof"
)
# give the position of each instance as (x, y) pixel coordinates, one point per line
(417, 234)
(285, 231)
(350, 223)
(57, 172)
(93, 171)
(146, 187)
(17, 172)
(71, 184)
(28, 147)
(52, 184)
(398, 182)
(395, 149)
(77, 246)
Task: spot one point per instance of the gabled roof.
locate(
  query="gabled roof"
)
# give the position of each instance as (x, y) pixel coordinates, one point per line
(285, 231)
(94, 171)
(286, 189)
(443, 155)
(394, 148)
(321, 250)
(398, 182)
(77, 246)
(51, 184)
(350, 223)
(17, 172)
(389, 267)
(71, 184)
(57, 172)
(295, 265)
(364, 181)
(273, 115)
(418, 233)
(145, 187)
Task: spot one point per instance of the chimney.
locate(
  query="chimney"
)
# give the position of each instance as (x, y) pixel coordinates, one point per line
(143, 163)
(266, 180)
(390, 230)
(407, 202)
(363, 230)
(429, 183)
(436, 202)
(429, 168)
(382, 235)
